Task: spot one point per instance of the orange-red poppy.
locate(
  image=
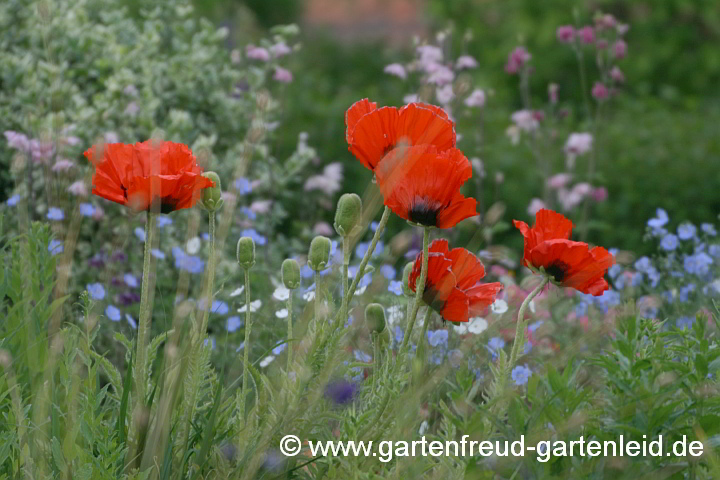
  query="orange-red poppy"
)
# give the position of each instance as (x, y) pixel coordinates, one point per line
(146, 173)
(422, 185)
(452, 286)
(372, 132)
(549, 250)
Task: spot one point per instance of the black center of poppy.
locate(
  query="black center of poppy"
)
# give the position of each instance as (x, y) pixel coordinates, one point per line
(430, 297)
(424, 214)
(124, 189)
(557, 270)
(168, 204)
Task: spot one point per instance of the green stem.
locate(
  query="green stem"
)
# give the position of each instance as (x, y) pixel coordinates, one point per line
(376, 359)
(520, 327)
(210, 280)
(583, 81)
(346, 287)
(318, 321)
(419, 289)
(361, 269)
(145, 310)
(290, 331)
(246, 348)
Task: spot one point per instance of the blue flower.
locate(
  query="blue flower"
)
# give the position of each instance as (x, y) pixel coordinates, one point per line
(55, 247)
(685, 292)
(210, 341)
(86, 209)
(248, 213)
(698, 264)
(306, 271)
(349, 321)
(130, 280)
(373, 226)
(363, 282)
(388, 272)
(396, 287)
(527, 348)
(714, 250)
(233, 323)
(521, 374)
(654, 277)
(686, 231)
(243, 186)
(96, 291)
(361, 356)
(113, 313)
(140, 233)
(581, 309)
(660, 220)
(163, 220)
(398, 334)
(131, 321)
(615, 270)
(279, 349)
(709, 229)
(684, 323)
(363, 247)
(642, 264)
(186, 262)
(669, 242)
(157, 253)
(55, 213)
(12, 201)
(535, 325)
(252, 233)
(437, 337)
(495, 344)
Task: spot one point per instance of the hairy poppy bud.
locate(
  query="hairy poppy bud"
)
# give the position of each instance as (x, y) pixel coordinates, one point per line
(406, 279)
(375, 317)
(347, 215)
(212, 196)
(291, 274)
(246, 252)
(319, 253)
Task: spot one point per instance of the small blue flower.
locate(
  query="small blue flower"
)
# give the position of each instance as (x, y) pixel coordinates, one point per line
(685, 292)
(642, 264)
(535, 325)
(55, 247)
(55, 213)
(243, 186)
(233, 323)
(714, 250)
(654, 277)
(96, 291)
(396, 287)
(186, 262)
(210, 341)
(363, 247)
(12, 201)
(660, 220)
(252, 233)
(521, 374)
(698, 264)
(113, 313)
(373, 226)
(86, 209)
(279, 349)
(527, 348)
(248, 213)
(398, 334)
(205, 236)
(581, 309)
(388, 272)
(495, 344)
(140, 233)
(163, 220)
(709, 229)
(349, 321)
(686, 231)
(306, 271)
(637, 279)
(131, 321)
(614, 271)
(437, 337)
(130, 280)
(157, 253)
(684, 323)
(669, 242)
(361, 356)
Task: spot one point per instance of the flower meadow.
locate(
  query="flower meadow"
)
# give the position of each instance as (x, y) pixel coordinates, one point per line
(178, 293)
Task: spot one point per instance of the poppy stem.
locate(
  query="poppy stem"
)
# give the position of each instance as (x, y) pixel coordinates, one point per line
(246, 347)
(318, 328)
(290, 331)
(520, 328)
(145, 309)
(419, 289)
(210, 279)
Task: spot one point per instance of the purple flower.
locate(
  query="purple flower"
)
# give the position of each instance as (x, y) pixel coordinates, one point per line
(279, 349)
(521, 374)
(600, 91)
(257, 53)
(280, 49)
(157, 253)
(517, 58)
(684, 323)
(127, 298)
(495, 344)
(698, 264)
(709, 229)
(17, 141)
(189, 263)
(55, 213)
(218, 306)
(140, 234)
(341, 392)
(587, 35)
(465, 61)
(113, 313)
(248, 213)
(660, 220)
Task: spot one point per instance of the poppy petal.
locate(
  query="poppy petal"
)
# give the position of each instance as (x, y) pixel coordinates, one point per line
(356, 111)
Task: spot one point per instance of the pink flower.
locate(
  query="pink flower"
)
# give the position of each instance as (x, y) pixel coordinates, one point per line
(553, 92)
(525, 120)
(600, 91)
(280, 49)
(601, 44)
(517, 58)
(606, 21)
(261, 206)
(558, 181)
(132, 109)
(587, 35)
(62, 165)
(600, 194)
(98, 213)
(476, 98)
(535, 205)
(429, 54)
(444, 94)
(282, 75)
(565, 33)
(257, 53)
(441, 76)
(622, 28)
(465, 61)
(323, 228)
(578, 143)
(617, 75)
(395, 69)
(620, 49)
(41, 151)
(78, 188)
(329, 182)
(17, 141)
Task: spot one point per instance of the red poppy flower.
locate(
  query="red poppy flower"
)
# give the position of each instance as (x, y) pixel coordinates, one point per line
(372, 132)
(453, 287)
(549, 250)
(142, 174)
(422, 185)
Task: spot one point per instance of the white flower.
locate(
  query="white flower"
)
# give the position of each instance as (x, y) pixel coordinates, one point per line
(281, 293)
(532, 306)
(193, 245)
(396, 313)
(266, 361)
(361, 290)
(410, 98)
(308, 296)
(237, 291)
(477, 325)
(499, 307)
(476, 99)
(423, 427)
(254, 306)
(460, 328)
(282, 313)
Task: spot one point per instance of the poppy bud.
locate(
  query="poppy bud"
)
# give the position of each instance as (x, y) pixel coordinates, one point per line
(319, 253)
(384, 339)
(212, 196)
(347, 215)
(375, 317)
(406, 279)
(291, 274)
(246, 252)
